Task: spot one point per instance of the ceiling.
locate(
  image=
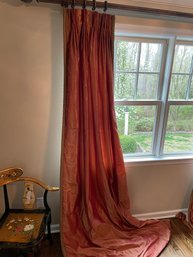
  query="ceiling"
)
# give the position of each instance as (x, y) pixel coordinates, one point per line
(177, 5)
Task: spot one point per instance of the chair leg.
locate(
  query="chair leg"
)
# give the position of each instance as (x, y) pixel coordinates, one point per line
(49, 229)
(35, 251)
(22, 254)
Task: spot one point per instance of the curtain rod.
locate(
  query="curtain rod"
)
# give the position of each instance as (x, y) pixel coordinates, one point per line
(121, 7)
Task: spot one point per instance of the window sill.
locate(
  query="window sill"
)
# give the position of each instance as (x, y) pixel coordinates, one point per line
(152, 161)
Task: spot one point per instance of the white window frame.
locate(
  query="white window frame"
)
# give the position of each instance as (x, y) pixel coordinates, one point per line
(162, 103)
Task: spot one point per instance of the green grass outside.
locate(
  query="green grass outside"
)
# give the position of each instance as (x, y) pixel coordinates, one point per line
(174, 142)
(179, 142)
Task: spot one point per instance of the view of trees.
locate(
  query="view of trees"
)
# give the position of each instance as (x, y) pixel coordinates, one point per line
(181, 81)
(138, 69)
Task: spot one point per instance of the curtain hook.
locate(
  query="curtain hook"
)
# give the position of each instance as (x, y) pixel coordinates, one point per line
(84, 4)
(94, 5)
(106, 6)
(64, 3)
(73, 4)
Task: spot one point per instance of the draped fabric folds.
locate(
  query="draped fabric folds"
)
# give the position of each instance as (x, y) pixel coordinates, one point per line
(95, 210)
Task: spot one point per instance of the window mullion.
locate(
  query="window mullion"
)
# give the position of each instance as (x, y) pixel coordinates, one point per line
(189, 81)
(138, 102)
(115, 58)
(156, 127)
(164, 97)
(159, 95)
(137, 71)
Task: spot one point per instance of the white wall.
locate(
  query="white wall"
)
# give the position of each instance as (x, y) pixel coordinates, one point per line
(31, 93)
(159, 188)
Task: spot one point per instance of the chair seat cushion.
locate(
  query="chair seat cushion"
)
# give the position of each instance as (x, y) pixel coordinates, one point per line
(21, 227)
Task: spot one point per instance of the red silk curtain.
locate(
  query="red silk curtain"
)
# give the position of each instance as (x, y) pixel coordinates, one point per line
(95, 212)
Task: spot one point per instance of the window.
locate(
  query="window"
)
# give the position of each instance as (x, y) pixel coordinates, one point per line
(154, 96)
(179, 130)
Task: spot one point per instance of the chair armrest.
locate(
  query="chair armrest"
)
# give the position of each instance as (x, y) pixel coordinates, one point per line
(38, 182)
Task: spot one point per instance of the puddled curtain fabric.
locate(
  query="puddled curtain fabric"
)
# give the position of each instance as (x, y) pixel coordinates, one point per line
(95, 212)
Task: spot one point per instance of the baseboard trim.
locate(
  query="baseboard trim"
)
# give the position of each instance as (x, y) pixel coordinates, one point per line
(159, 215)
(55, 228)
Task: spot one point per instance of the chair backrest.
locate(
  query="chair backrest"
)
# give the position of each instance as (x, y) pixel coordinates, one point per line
(9, 175)
(12, 175)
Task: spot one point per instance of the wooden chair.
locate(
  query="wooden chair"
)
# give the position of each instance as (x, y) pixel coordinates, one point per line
(23, 229)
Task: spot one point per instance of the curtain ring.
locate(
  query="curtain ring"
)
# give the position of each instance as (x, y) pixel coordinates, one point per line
(73, 4)
(106, 6)
(64, 3)
(84, 4)
(94, 5)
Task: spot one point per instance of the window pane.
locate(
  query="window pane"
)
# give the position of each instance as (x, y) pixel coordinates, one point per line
(183, 59)
(150, 59)
(179, 133)
(124, 86)
(135, 126)
(147, 86)
(178, 86)
(126, 55)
